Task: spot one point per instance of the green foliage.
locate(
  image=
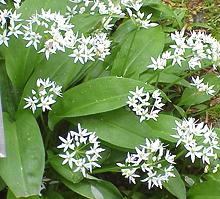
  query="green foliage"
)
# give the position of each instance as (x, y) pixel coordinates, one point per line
(22, 169)
(209, 189)
(95, 94)
(135, 52)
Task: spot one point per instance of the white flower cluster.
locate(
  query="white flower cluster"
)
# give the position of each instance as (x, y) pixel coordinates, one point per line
(97, 46)
(58, 35)
(161, 62)
(82, 149)
(94, 6)
(110, 10)
(9, 25)
(145, 105)
(44, 96)
(199, 140)
(135, 4)
(141, 20)
(55, 33)
(152, 162)
(193, 50)
(201, 86)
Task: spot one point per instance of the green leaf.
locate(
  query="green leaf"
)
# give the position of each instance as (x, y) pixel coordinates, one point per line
(10, 195)
(20, 63)
(64, 170)
(8, 98)
(163, 78)
(136, 51)
(22, 169)
(95, 96)
(121, 32)
(164, 125)
(60, 68)
(191, 96)
(53, 195)
(94, 189)
(206, 190)
(89, 22)
(123, 129)
(180, 110)
(176, 186)
(29, 7)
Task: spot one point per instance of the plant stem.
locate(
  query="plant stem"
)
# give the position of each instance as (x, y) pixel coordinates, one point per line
(103, 170)
(158, 76)
(180, 154)
(135, 188)
(46, 131)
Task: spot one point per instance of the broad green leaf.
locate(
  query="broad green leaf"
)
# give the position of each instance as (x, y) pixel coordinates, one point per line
(29, 7)
(8, 98)
(94, 189)
(121, 32)
(191, 96)
(10, 195)
(20, 63)
(89, 22)
(176, 186)
(22, 169)
(64, 170)
(123, 129)
(150, 77)
(53, 195)
(60, 68)
(95, 96)
(136, 51)
(162, 7)
(165, 124)
(205, 190)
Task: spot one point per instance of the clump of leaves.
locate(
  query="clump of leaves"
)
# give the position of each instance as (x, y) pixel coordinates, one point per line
(106, 100)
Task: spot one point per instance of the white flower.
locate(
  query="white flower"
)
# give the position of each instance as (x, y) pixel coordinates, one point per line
(193, 62)
(140, 103)
(199, 140)
(9, 25)
(158, 63)
(193, 152)
(138, 18)
(46, 102)
(80, 166)
(85, 149)
(44, 96)
(66, 143)
(202, 87)
(78, 55)
(135, 4)
(32, 37)
(4, 38)
(68, 158)
(194, 49)
(2, 1)
(146, 161)
(31, 103)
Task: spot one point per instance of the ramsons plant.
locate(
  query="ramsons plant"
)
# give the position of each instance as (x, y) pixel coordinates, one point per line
(107, 100)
